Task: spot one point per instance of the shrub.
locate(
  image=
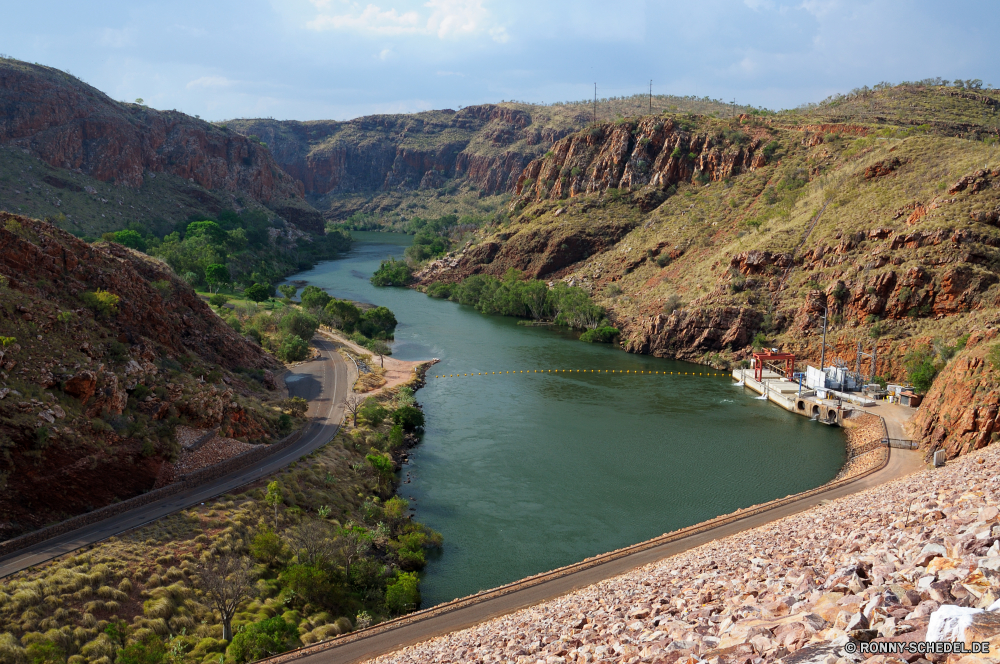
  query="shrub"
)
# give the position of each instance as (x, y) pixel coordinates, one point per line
(921, 368)
(408, 417)
(392, 273)
(218, 300)
(130, 239)
(440, 289)
(293, 349)
(257, 292)
(403, 594)
(262, 639)
(101, 302)
(287, 290)
(300, 324)
(378, 322)
(313, 297)
(604, 335)
(396, 439)
(373, 413)
(342, 314)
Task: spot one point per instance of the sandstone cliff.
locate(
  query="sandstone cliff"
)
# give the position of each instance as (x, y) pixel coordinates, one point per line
(90, 396)
(70, 125)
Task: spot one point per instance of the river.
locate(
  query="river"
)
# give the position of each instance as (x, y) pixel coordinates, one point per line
(525, 473)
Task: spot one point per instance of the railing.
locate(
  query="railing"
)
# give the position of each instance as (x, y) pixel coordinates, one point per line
(901, 443)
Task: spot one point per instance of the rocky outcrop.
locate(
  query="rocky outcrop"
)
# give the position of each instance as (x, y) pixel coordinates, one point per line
(961, 412)
(631, 155)
(689, 333)
(71, 125)
(486, 145)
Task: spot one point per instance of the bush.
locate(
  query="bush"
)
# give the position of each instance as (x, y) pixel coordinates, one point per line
(408, 417)
(403, 594)
(293, 349)
(313, 297)
(130, 239)
(262, 639)
(342, 314)
(373, 413)
(300, 324)
(101, 302)
(921, 368)
(604, 335)
(218, 300)
(257, 292)
(440, 289)
(392, 273)
(378, 322)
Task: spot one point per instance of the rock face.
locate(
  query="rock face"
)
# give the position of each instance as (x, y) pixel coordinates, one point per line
(69, 124)
(961, 413)
(177, 320)
(632, 155)
(487, 146)
(797, 590)
(690, 332)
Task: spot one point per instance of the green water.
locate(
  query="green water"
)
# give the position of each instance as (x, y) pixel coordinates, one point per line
(525, 473)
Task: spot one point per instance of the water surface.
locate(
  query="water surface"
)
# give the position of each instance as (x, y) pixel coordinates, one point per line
(524, 473)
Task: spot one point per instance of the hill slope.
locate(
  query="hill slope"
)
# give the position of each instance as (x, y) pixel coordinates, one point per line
(91, 394)
(699, 235)
(88, 141)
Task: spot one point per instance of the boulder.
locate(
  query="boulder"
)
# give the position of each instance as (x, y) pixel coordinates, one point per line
(81, 386)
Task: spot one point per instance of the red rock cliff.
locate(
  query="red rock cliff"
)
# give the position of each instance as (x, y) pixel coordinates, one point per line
(69, 124)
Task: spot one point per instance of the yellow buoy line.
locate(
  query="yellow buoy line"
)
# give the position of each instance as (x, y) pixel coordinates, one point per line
(632, 372)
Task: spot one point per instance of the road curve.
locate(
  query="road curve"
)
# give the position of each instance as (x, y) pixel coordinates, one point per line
(323, 381)
(467, 613)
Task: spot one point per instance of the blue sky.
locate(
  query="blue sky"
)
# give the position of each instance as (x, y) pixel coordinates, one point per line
(338, 59)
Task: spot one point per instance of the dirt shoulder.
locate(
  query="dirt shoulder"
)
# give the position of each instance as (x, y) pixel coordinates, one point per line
(397, 372)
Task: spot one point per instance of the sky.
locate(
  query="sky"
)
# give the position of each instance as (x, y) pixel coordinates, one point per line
(340, 59)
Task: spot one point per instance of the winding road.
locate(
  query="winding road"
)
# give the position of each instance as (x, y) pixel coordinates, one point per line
(323, 381)
(467, 612)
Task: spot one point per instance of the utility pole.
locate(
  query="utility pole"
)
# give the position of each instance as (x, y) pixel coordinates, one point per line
(822, 352)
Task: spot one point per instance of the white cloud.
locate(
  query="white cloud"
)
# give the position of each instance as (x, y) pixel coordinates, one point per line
(819, 8)
(445, 19)
(385, 54)
(210, 82)
(757, 5)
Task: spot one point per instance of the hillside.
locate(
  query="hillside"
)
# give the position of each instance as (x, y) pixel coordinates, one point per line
(104, 352)
(700, 235)
(435, 162)
(91, 164)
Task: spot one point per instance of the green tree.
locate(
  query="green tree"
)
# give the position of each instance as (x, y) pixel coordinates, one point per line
(130, 238)
(313, 297)
(299, 323)
(343, 315)
(408, 417)
(45, 652)
(378, 322)
(293, 348)
(218, 300)
(372, 412)
(149, 650)
(274, 497)
(288, 290)
(396, 438)
(381, 349)
(392, 273)
(403, 594)
(383, 467)
(262, 639)
(207, 229)
(257, 292)
(604, 335)
(217, 275)
(103, 303)
(310, 582)
(267, 546)
(922, 368)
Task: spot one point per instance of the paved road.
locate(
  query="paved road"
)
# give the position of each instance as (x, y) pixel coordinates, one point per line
(901, 462)
(324, 382)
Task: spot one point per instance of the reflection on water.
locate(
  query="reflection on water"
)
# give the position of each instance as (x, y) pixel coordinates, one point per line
(523, 473)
